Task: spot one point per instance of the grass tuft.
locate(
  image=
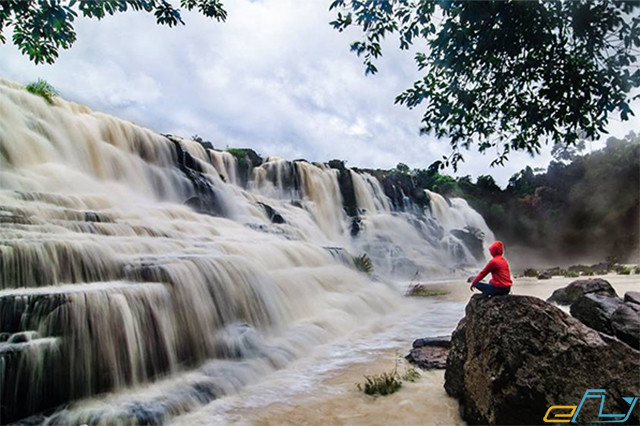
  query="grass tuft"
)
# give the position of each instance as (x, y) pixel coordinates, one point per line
(381, 384)
(43, 89)
(421, 290)
(388, 382)
(363, 263)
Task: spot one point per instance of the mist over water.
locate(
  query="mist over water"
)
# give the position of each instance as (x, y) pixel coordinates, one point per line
(143, 276)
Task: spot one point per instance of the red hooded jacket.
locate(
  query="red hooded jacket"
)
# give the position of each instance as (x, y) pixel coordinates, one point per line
(498, 266)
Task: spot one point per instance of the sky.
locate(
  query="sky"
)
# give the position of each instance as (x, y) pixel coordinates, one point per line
(274, 77)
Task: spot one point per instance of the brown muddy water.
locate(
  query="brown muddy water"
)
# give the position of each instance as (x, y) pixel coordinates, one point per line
(322, 390)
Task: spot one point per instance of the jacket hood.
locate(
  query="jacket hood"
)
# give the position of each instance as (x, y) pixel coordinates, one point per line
(496, 249)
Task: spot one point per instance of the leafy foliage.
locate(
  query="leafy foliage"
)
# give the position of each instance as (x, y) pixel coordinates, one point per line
(530, 272)
(402, 168)
(237, 152)
(240, 154)
(507, 75)
(363, 263)
(42, 88)
(588, 206)
(42, 27)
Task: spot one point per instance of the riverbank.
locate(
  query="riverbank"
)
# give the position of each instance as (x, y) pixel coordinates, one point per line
(326, 392)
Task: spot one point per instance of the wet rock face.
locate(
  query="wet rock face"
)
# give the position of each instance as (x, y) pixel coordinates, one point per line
(273, 214)
(345, 181)
(610, 315)
(402, 189)
(512, 357)
(472, 240)
(206, 199)
(595, 310)
(625, 323)
(569, 294)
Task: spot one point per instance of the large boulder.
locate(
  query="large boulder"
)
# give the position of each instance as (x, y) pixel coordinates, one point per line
(569, 294)
(595, 310)
(625, 323)
(632, 297)
(513, 357)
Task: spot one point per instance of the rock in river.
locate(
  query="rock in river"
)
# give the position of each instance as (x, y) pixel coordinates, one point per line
(512, 357)
(569, 294)
(430, 352)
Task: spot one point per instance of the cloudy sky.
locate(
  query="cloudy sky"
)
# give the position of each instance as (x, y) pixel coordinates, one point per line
(275, 77)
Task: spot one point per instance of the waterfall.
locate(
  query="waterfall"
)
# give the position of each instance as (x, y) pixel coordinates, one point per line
(143, 275)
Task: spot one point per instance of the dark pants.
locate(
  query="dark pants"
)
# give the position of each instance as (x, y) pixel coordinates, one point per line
(491, 290)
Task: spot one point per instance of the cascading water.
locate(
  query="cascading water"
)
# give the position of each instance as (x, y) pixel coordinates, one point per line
(129, 259)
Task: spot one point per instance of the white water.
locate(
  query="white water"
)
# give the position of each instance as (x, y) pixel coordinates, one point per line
(125, 289)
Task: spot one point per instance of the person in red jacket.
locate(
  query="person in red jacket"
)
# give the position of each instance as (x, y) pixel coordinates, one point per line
(500, 282)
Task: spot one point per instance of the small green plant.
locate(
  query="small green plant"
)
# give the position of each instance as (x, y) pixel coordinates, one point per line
(611, 261)
(390, 381)
(530, 272)
(571, 274)
(43, 89)
(363, 263)
(411, 375)
(588, 272)
(623, 270)
(382, 384)
(636, 270)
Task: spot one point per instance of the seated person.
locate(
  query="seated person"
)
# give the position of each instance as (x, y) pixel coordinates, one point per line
(500, 282)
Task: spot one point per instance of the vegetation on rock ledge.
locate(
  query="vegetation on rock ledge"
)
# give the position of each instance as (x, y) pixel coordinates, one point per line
(43, 89)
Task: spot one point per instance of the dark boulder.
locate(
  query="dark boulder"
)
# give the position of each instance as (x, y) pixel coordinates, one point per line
(595, 310)
(632, 297)
(272, 214)
(430, 353)
(545, 275)
(569, 294)
(625, 323)
(512, 357)
(23, 337)
(254, 159)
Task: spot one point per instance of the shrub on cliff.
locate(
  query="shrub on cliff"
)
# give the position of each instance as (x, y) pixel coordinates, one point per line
(43, 89)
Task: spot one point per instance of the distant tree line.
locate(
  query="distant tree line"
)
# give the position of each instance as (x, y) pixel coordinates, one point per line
(582, 204)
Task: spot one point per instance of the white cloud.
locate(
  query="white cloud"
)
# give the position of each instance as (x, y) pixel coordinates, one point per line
(275, 77)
